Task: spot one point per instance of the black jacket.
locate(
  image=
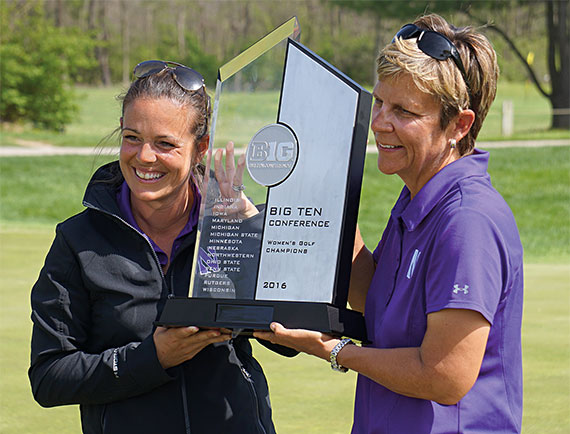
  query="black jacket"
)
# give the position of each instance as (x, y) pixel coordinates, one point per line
(93, 309)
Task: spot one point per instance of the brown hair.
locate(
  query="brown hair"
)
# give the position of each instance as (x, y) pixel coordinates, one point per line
(443, 79)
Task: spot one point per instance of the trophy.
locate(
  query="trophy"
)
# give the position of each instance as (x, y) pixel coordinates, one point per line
(304, 143)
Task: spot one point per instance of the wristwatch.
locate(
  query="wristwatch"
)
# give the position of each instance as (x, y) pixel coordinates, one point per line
(334, 352)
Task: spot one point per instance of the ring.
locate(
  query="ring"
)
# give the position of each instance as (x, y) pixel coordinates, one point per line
(238, 188)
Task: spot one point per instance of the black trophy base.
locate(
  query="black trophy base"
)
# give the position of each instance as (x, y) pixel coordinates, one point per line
(248, 315)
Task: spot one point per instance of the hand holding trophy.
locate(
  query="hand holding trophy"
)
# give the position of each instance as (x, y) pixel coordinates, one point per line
(232, 203)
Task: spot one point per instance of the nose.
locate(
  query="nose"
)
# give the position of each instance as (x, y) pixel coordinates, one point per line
(146, 154)
(380, 120)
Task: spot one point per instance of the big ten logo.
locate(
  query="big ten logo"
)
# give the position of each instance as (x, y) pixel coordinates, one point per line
(272, 151)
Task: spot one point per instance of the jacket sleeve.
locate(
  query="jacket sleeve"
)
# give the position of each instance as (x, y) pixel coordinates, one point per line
(62, 371)
(279, 349)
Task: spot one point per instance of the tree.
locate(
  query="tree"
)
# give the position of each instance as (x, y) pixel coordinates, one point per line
(557, 29)
(98, 19)
(37, 61)
(559, 61)
(557, 22)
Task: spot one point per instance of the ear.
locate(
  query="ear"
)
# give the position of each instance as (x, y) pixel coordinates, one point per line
(203, 146)
(462, 124)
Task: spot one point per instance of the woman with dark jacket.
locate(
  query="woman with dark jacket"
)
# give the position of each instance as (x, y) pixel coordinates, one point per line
(111, 268)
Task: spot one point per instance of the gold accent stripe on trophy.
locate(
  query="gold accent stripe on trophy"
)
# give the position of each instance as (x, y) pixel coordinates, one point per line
(257, 49)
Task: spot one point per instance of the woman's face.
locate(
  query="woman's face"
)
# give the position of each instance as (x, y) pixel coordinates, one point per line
(410, 142)
(157, 150)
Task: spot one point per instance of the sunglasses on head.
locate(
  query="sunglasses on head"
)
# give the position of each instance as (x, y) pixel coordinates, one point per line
(433, 44)
(187, 78)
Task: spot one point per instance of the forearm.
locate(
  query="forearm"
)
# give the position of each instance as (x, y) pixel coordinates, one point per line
(403, 371)
(81, 378)
(442, 369)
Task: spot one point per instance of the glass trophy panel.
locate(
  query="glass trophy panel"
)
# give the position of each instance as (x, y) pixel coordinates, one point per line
(248, 92)
(275, 242)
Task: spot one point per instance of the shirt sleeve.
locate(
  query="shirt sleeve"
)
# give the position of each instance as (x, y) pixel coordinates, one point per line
(62, 371)
(466, 265)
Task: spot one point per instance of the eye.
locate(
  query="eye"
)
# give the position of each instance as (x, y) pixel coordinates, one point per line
(378, 102)
(405, 112)
(130, 138)
(168, 145)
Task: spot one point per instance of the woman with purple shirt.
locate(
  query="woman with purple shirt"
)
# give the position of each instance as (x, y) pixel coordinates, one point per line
(111, 268)
(442, 292)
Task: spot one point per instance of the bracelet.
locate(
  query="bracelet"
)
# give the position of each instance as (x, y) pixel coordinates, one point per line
(334, 365)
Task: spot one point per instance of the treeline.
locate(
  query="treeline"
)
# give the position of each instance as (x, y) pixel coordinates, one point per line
(46, 46)
(201, 33)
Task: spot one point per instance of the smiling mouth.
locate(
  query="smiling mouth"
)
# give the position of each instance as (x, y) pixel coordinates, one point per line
(388, 146)
(148, 176)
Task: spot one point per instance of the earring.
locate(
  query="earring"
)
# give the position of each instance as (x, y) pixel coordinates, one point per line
(452, 143)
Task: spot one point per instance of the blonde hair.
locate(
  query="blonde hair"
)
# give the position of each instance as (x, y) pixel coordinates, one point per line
(442, 79)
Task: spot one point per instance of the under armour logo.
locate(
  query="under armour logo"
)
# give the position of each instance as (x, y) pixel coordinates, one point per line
(456, 289)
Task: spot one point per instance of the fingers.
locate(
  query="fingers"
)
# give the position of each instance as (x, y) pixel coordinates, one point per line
(276, 335)
(218, 170)
(177, 344)
(277, 328)
(226, 174)
(232, 200)
(307, 341)
(238, 177)
(183, 332)
(230, 162)
(204, 336)
(266, 336)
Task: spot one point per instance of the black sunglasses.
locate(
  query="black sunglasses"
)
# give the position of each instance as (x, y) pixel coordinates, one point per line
(435, 45)
(187, 78)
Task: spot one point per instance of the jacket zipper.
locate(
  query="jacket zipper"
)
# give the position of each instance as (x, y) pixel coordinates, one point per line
(155, 256)
(185, 403)
(170, 295)
(247, 377)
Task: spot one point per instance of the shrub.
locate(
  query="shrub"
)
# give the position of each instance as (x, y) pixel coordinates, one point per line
(37, 61)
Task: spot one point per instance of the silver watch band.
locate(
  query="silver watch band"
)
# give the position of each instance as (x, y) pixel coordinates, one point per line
(334, 364)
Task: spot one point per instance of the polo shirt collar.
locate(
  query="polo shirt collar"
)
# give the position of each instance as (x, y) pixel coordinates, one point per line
(124, 202)
(412, 212)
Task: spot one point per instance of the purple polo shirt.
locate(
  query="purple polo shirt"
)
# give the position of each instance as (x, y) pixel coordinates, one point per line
(124, 201)
(455, 245)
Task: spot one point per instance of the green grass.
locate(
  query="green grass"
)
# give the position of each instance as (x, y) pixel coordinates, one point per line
(534, 181)
(546, 349)
(536, 184)
(19, 249)
(532, 114)
(242, 114)
(44, 189)
(98, 117)
(307, 396)
(100, 112)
